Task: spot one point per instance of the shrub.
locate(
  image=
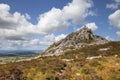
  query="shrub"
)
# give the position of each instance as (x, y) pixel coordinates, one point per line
(87, 71)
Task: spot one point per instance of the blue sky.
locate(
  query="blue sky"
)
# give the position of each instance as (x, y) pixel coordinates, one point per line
(29, 24)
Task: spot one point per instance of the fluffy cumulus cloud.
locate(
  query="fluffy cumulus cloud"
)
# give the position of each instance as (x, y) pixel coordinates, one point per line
(46, 41)
(15, 26)
(57, 19)
(16, 30)
(31, 44)
(78, 10)
(92, 26)
(60, 37)
(118, 33)
(52, 21)
(109, 38)
(11, 21)
(114, 5)
(114, 19)
(52, 38)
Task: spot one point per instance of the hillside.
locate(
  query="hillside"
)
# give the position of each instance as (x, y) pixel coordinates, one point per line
(95, 62)
(80, 56)
(75, 40)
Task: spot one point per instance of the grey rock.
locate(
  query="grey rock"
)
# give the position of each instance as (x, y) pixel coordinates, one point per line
(78, 39)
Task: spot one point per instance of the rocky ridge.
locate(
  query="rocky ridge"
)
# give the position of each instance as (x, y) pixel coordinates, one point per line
(75, 40)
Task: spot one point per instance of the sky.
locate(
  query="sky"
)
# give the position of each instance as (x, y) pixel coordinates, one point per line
(34, 25)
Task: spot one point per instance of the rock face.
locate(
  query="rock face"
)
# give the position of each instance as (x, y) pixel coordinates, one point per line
(81, 38)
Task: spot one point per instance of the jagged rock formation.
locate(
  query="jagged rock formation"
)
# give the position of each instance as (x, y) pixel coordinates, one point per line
(81, 38)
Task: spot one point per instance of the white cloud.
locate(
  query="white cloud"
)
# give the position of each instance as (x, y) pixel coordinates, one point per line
(31, 44)
(109, 38)
(51, 21)
(4, 9)
(45, 42)
(78, 10)
(52, 38)
(114, 5)
(27, 16)
(92, 26)
(114, 19)
(12, 34)
(59, 19)
(117, 0)
(118, 33)
(17, 24)
(35, 42)
(11, 21)
(60, 37)
(21, 44)
(9, 45)
(15, 28)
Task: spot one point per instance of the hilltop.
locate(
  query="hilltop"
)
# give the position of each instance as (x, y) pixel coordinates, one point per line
(75, 40)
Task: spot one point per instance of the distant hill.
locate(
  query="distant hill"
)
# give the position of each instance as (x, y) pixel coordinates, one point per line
(13, 53)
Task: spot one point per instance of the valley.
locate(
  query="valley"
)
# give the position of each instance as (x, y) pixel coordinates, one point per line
(17, 55)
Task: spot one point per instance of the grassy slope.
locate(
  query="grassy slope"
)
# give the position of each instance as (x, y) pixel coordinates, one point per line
(73, 65)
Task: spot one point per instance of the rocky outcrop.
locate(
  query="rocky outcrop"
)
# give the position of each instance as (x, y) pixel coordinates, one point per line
(81, 38)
